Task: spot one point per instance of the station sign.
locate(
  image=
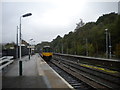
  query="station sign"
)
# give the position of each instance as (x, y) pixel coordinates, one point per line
(30, 46)
(11, 47)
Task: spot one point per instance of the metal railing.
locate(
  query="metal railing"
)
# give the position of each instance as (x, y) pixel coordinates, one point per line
(5, 61)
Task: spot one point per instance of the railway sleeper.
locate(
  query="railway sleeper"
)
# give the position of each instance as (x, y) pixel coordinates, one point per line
(84, 79)
(97, 74)
(95, 78)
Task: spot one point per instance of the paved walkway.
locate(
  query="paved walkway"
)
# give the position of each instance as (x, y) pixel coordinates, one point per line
(30, 78)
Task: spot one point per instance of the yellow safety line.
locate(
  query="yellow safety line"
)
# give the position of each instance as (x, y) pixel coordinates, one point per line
(99, 68)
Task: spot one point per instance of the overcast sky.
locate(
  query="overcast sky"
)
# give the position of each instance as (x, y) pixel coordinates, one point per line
(49, 17)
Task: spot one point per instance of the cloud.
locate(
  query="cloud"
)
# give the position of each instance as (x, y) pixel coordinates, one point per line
(49, 17)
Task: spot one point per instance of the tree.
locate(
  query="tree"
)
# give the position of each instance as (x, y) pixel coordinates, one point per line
(74, 42)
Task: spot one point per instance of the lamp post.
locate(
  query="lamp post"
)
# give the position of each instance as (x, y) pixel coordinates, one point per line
(33, 47)
(86, 47)
(29, 49)
(106, 43)
(110, 55)
(62, 47)
(20, 61)
(17, 44)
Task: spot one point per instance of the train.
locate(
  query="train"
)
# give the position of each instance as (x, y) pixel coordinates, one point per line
(47, 53)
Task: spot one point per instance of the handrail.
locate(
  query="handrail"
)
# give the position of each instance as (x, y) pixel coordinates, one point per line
(5, 61)
(3, 66)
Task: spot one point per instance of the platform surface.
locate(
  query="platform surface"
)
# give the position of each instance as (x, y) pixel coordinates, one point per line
(36, 74)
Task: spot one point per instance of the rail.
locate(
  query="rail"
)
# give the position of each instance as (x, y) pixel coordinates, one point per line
(94, 75)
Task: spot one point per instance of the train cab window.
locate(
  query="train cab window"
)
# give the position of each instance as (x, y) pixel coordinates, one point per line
(47, 50)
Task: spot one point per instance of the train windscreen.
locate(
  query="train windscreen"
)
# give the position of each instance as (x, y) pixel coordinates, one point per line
(47, 49)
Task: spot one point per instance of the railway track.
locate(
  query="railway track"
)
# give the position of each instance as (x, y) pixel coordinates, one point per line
(73, 81)
(91, 75)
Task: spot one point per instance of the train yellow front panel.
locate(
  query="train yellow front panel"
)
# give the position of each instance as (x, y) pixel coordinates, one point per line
(47, 54)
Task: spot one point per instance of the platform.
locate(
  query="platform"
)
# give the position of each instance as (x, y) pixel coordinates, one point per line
(36, 74)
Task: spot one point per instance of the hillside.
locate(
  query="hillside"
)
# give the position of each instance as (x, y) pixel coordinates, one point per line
(90, 39)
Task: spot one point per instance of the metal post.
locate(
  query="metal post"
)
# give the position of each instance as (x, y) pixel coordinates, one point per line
(86, 47)
(30, 47)
(20, 62)
(67, 49)
(62, 48)
(20, 68)
(20, 38)
(110, 46)
(17, 44)
(34, 47)
(29, 51)
(106, 43)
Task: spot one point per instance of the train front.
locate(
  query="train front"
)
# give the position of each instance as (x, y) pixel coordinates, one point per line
(47, 53)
